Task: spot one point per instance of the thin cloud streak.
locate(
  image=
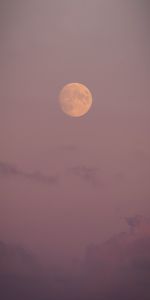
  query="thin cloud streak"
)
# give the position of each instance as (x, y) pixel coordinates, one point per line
(88, 174)
(7, 169)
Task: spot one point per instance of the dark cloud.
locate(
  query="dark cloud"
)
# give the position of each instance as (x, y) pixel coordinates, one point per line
(134, 222)
(15, 259)
(88, 174)
(7, 169)
(120, 267)
(116, 269)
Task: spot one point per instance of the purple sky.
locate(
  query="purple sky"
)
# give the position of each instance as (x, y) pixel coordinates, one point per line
(100, 163)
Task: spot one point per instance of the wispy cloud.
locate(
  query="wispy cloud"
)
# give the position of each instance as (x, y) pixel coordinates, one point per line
(88, 174)
(7, 169)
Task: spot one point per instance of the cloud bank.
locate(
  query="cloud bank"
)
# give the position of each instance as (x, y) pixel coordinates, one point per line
(116, 269)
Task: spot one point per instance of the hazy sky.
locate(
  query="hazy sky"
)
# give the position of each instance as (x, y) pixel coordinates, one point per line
(94, 170)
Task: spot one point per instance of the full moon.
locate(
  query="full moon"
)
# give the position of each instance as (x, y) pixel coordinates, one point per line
(75, 99)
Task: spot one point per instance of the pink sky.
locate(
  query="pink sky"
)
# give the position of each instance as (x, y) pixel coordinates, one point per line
(44, 45)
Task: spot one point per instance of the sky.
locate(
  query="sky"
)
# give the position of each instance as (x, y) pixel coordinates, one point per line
(66, 182)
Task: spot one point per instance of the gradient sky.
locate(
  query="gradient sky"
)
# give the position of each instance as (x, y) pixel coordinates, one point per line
(100, 162)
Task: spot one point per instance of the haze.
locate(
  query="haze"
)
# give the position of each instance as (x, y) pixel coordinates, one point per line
(66, 183)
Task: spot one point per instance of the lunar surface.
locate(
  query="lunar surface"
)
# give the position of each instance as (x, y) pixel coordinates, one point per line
(75, 99)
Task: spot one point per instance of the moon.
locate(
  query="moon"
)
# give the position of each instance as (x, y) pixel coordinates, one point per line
(75, 99)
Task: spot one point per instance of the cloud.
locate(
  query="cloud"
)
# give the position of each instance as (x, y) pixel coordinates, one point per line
(14, 258)
(7, 169)
(120, 267)
(88, 174)
(134, 222)
(116, 269)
